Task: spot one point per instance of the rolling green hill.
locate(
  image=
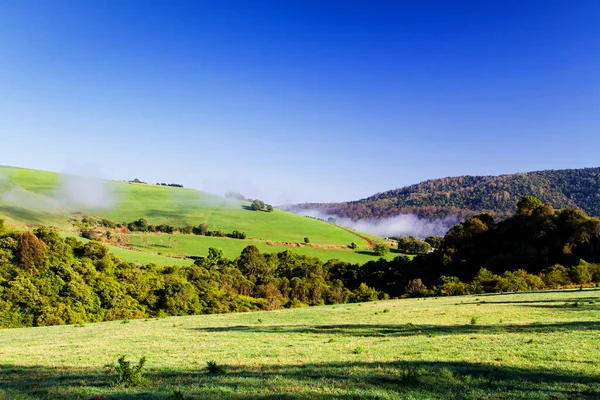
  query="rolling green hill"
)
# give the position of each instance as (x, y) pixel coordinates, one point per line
(464, 196)
(31, 197)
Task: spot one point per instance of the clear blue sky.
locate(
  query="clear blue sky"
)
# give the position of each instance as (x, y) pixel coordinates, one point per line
(299, 100)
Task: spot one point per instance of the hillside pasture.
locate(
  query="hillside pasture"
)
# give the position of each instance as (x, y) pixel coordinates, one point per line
(30, 197)
(506, 346)
(192, 245)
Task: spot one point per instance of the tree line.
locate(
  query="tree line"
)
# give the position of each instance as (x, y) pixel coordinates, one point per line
(465, 196)
(86, 225)
(46, 279)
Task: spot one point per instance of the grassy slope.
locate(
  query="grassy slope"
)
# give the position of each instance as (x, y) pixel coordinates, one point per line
(529, 346)
(199, 245)
(176, 206)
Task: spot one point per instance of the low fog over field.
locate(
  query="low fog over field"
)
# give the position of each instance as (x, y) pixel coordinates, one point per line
(400, 225)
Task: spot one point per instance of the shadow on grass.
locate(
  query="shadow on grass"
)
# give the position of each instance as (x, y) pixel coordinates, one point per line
(561, 301)
(368, 330)
(367, 252)
(322, 381)
(22, 214)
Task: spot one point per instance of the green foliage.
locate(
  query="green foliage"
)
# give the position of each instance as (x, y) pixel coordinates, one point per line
(237, 235)
(381, 249)
(259, 205)
(358, 350)
(556, 276)
(528, 204)
(415, 288)
(452, 286)
(435, 241)
(412, 245)
(306, 240)
(129, 375)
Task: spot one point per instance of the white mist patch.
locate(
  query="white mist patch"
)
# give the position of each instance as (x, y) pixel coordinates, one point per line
(73, 193)
(82, 192)
(399, 225)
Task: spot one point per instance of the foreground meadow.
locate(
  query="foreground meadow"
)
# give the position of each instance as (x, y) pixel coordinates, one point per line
(532, 346)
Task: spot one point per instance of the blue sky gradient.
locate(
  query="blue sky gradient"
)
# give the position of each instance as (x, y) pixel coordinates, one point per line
(299, 100)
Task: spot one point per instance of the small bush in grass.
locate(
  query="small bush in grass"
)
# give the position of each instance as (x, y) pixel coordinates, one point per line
(332, 340)
(213, 368)
(358, 350)
(409, 373)
(445, 373)
(386, 310)
(474, 320)
(129, 375)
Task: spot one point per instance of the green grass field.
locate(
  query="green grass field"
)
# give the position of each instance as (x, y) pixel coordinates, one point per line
(31, 197)
(192, 245)
(524, 346)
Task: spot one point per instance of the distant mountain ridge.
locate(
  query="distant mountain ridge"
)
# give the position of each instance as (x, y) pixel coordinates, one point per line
(464, 196)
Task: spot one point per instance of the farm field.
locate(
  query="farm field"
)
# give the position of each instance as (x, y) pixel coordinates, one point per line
(539, 345)
(31, 197)
(199, 245)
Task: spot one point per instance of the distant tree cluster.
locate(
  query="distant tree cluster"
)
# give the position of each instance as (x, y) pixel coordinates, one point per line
(412, 245)
(141, 225)
(171, 184)
(136, 180)
(259, 205)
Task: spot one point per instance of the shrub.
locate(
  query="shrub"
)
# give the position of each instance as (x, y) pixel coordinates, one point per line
(213, 368)
(358, 350)
(556, 275)
(415, 288)
(237, 235)
(353, 245)
(306, 240)
(381, 250)
(257, 205)
(128, 375)
(580, 273)
(409, 373)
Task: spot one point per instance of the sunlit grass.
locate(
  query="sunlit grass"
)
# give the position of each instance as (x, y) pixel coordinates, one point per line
(179, 207)
(534, 345)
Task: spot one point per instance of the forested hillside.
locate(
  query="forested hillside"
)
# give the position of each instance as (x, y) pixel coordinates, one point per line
(46, 279)
(465, 196)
